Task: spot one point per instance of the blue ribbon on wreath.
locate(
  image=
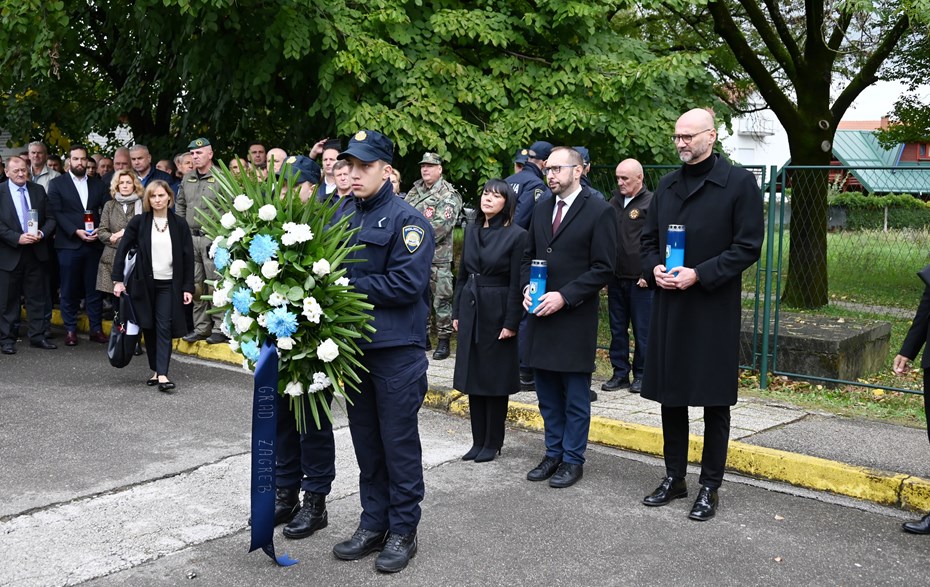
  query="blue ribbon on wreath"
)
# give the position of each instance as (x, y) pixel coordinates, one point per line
(264, 452)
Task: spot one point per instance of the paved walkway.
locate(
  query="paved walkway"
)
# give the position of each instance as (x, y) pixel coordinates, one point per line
(884, 463)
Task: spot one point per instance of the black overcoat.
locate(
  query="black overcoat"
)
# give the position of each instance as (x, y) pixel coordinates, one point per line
(919, 332)
(141, 286)
(693, 355)
(488, 298)
(580, 259)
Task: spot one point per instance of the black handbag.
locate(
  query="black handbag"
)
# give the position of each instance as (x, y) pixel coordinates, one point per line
(122, 344)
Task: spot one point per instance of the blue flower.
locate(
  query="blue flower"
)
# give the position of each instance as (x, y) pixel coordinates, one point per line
(242, 299)
(281, 323)
(249, 350)
(263, 248)
(221, 258)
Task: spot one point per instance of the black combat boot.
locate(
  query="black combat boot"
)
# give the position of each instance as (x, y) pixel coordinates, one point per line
(442, 350)
(311, 517)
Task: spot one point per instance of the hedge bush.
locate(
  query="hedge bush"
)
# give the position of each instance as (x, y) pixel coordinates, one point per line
(868, 212)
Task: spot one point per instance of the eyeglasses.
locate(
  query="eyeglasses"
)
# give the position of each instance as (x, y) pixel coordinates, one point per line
(556, 169)
(686, 139)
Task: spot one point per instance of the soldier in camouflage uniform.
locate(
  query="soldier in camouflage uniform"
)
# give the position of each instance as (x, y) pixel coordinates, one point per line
(196, 186)
(440, 203)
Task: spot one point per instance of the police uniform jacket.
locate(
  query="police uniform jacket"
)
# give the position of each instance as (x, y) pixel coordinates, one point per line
(394, 268)
(693, 354)
(529, 186)
(630, 221)
(195, 189)
(440, 205)
(580, 259)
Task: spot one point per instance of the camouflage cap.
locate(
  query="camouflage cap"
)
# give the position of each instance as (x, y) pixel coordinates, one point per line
(368, 146)
(199, 143)
(431, 159)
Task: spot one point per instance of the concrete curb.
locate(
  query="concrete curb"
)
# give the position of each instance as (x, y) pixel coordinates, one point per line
(882, 487)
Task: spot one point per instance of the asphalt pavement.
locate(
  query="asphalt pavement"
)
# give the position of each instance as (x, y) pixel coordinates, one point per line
(109, 481)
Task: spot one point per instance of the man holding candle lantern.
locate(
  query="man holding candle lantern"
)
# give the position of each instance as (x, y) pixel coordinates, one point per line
(693, 353)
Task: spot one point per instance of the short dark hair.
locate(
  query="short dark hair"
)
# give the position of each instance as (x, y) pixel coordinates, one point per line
(499, 186)
(340, 164)
(77, 147)
(574, 157)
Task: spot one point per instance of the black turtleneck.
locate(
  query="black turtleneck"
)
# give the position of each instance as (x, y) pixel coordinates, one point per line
(694, 175)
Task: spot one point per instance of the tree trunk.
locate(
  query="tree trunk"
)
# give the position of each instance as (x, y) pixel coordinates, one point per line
(806, 284)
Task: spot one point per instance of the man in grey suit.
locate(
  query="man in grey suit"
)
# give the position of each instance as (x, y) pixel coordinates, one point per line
(23, 254)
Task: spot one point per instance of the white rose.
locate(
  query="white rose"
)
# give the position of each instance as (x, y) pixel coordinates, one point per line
(327, 351)
(233, 345)
(321, 268)
(270, 269)
(312, 310)
(237, 267)
(234, 237)
(243, 323)
(262, 321)
(286, 343)
(228, 220)
(294, 388)
(276, 300)
(242, 202)
(221, 297)
(268, 212)
(255, 283)
(343, 281)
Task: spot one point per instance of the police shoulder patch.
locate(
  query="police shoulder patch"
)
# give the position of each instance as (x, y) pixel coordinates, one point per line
(536, 193)
(291, 160)
(413, 237)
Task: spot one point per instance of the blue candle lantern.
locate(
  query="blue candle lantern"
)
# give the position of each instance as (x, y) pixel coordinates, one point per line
(675, 247)
(538, 271)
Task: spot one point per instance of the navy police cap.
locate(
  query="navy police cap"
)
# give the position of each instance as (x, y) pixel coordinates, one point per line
(368, 146)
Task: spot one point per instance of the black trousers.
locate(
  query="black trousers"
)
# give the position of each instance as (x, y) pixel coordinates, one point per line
(716, 437)
(307, 459)
(158, 339)
(488, 414)
(26, 279)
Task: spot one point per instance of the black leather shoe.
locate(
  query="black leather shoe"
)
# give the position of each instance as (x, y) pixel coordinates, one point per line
(311, 517)
(217, 338)
(705, 506)
(637, 385)
(152, 382)
(43, 344)
(8, 349)
(429, 344)
(472, 453)
(593, 396)
(921, 526)
(166, 386)
(442, 351)
(616, 383)
(193, 337)
(138, 352)
(567, 475)
(397, 552)
(544, 470)
(527, 381)
(669, 489)
(487, 454)
(362, 543)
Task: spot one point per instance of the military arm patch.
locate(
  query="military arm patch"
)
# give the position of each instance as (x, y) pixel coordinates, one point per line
(429, 212)
(536, 193)
(448, 213)
(413, 237)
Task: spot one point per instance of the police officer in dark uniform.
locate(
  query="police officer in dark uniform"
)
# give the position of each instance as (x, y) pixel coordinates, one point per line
(585, 182)
(394, 272)
(528, 183)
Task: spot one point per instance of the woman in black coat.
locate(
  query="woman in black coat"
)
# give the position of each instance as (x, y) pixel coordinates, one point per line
(486, 313)
(916, 338)
(162, 284)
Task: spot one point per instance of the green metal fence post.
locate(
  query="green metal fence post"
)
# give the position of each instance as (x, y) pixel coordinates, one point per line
(769, 269)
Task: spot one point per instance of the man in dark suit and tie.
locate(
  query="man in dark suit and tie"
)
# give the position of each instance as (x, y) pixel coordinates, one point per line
(70, 195)
(23, 254)
(575, 232)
